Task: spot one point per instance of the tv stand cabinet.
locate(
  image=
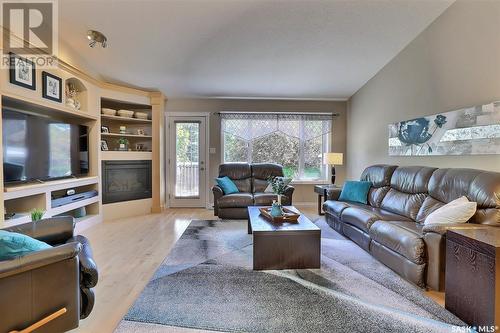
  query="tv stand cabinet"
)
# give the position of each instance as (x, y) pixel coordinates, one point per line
(22, 198)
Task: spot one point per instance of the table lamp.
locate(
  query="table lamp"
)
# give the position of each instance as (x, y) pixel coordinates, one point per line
(333, 159)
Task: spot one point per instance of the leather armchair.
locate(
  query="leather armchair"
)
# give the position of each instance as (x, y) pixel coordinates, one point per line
(40, 283)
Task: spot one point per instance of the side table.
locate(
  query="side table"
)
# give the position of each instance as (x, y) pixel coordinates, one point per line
(472, 281)
(321, 191)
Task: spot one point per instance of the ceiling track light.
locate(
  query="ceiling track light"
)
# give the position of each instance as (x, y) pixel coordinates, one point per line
(95, 37)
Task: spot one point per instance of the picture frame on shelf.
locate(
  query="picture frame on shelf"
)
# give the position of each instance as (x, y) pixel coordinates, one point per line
(141, 131)
(104, 145)
(105, 129)
(51, 87)
(22, 72)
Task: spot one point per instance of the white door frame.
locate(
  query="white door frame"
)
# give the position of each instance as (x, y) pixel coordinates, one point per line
(168, 118)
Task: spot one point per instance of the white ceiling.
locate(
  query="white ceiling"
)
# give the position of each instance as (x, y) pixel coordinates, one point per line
(235, 48)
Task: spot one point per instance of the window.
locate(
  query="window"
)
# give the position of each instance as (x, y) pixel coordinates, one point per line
(296, 141)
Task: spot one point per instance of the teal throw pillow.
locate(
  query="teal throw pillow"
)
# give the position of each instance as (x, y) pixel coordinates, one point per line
(227, 185)
(356, 191)
(13, 245)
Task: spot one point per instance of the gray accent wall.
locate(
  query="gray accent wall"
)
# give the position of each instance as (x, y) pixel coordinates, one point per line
(452, 64)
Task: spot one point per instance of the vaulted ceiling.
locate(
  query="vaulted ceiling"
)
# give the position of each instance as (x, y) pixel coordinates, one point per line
(236, 48)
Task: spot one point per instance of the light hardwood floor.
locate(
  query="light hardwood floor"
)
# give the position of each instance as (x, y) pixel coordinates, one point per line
(128, 252)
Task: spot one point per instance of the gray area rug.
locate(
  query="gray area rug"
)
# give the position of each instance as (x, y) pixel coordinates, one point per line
(207, 282)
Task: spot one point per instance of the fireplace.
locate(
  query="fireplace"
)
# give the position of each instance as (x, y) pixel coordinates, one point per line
(125, 180)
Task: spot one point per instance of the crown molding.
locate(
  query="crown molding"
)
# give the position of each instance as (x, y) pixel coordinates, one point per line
(312, 99)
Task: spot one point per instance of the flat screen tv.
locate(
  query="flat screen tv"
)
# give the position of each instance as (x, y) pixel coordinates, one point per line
(39, 147)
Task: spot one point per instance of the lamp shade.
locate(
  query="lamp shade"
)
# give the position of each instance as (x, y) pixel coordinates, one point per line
(333, 158)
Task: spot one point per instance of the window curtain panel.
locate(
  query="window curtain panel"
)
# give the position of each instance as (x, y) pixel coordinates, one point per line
(296, 141)
(249, 126)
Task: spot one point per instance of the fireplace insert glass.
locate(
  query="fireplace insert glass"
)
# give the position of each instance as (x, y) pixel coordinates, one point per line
(125, 180)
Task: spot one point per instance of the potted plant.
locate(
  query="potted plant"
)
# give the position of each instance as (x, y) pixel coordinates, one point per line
(122, 144)
(278, 184)
(37, 214)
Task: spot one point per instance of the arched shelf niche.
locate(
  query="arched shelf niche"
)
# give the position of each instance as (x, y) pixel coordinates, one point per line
(76, 96)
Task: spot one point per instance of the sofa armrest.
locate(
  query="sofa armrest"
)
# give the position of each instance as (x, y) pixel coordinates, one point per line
(54, 230)
(289, 193)
(38, 259)
(88, 267)
(441, 228)
(218, 193)
(333, 193)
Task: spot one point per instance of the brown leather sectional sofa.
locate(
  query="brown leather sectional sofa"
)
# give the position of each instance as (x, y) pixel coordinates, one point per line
(251, 180)
(391, 227)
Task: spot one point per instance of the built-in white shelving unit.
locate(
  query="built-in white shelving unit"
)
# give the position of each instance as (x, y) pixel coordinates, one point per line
(21, 199)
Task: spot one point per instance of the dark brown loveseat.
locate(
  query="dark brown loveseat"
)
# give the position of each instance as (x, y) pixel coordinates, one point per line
(391, 227)
(251, 180)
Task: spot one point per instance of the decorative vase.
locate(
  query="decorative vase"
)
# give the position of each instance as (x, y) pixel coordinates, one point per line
(276, 209)
(71, 97)
(80, 212)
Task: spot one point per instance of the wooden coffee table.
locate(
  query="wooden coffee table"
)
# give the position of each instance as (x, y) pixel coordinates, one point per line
(284, 246)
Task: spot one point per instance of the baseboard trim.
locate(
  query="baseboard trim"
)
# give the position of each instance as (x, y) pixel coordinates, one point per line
(306, 203)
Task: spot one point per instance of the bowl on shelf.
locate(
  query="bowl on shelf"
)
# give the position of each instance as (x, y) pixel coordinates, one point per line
(108, 112)
(125, 113)
(141, 115)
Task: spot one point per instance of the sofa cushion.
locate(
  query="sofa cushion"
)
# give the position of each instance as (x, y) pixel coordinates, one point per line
(335, 207)
(385, 215)
(359, 217)
(376, 195)
(265, 199)
(261, 172)
(428, 206)
(236, 200)
(411, 179)
(404, 238)
(240, 174)
(379, 174)
(408, 190)
(479, 186)
(401, 203)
